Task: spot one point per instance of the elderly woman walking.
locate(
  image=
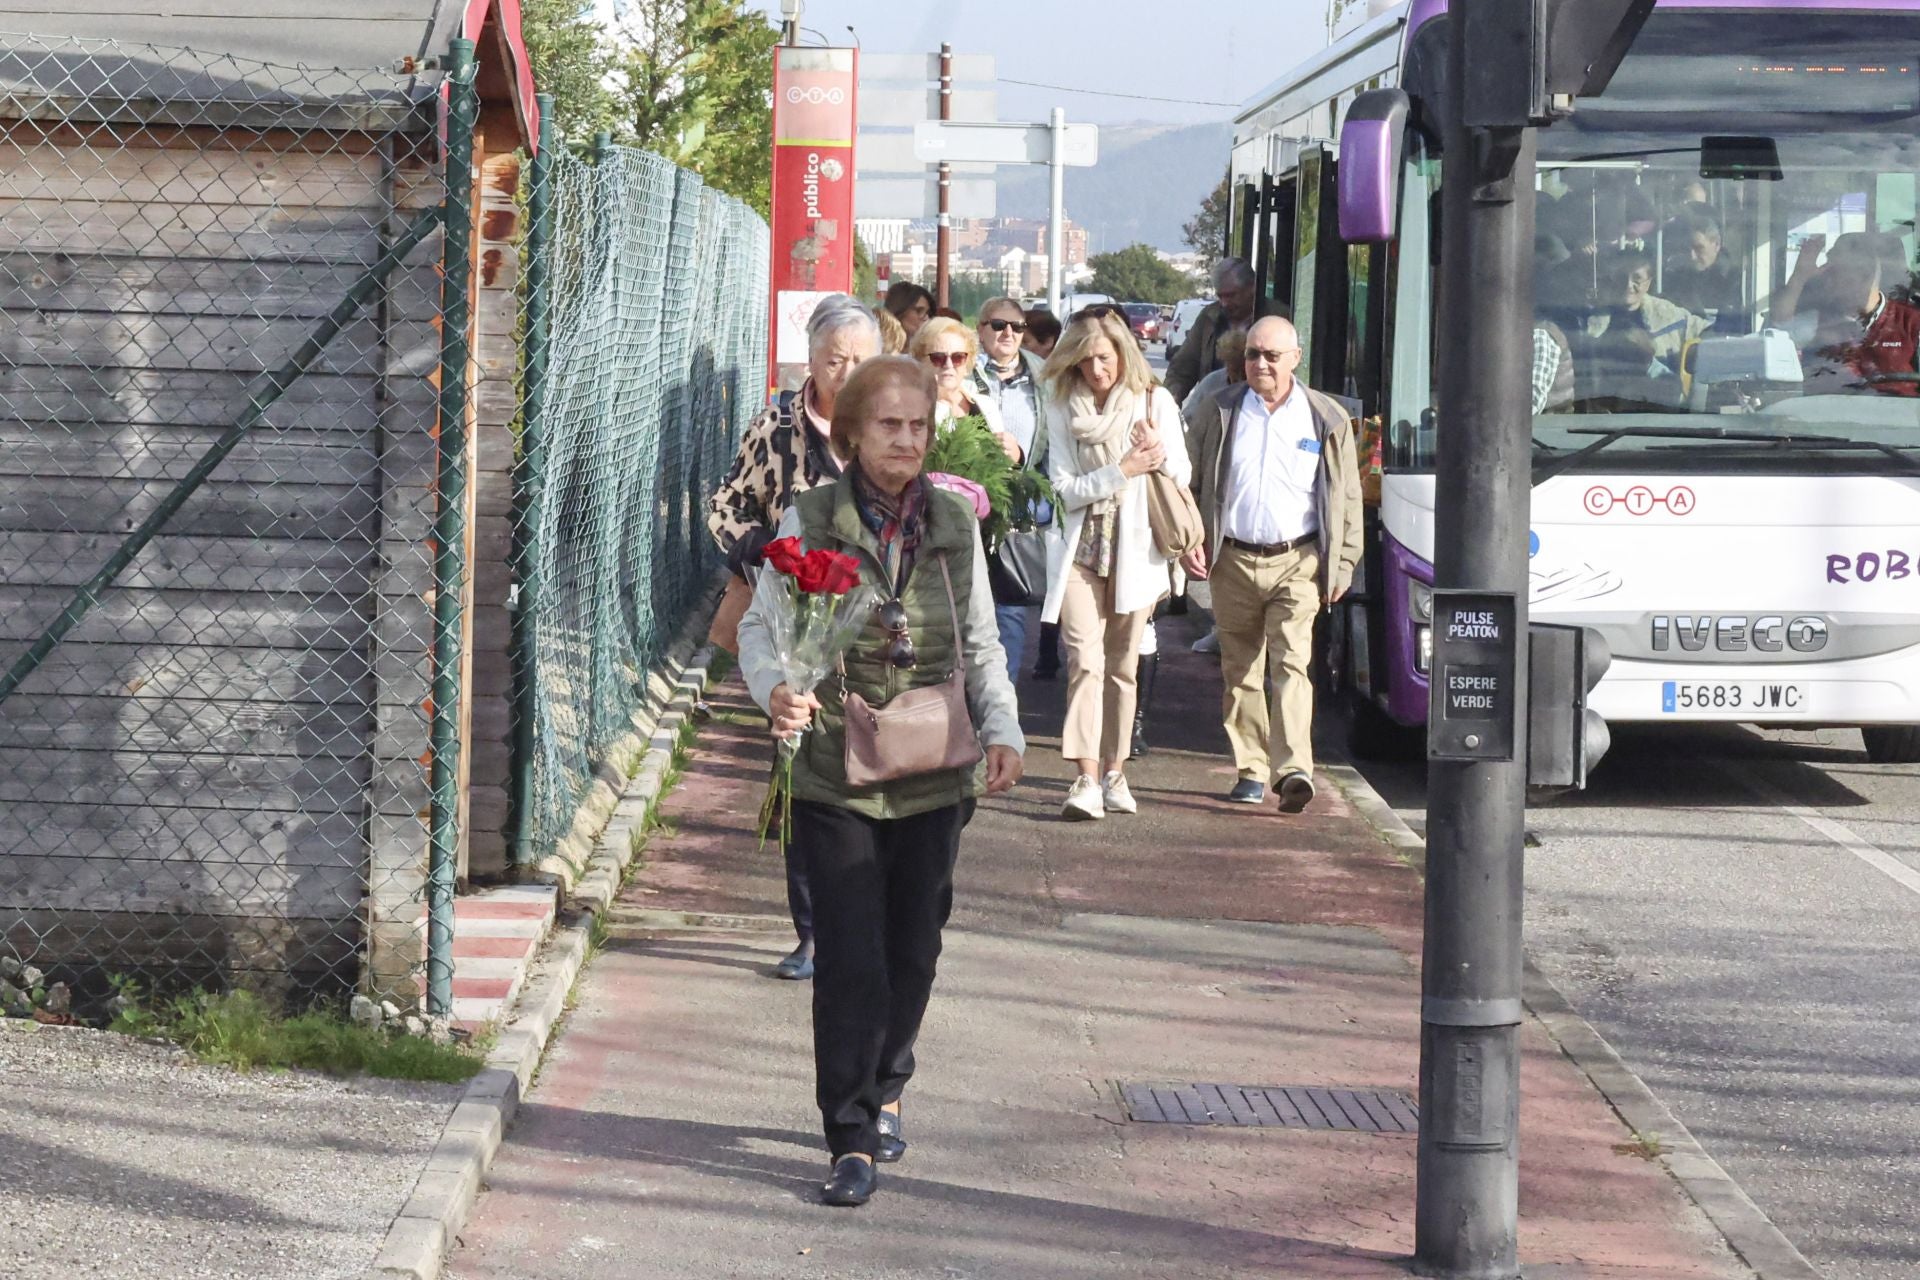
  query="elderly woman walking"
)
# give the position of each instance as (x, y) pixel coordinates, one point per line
(787, 451)
(1108, 427)
(880, 857)
(950, 350)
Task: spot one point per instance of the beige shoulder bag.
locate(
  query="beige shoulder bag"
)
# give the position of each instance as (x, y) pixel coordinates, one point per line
(920, 731)
(1171, 510)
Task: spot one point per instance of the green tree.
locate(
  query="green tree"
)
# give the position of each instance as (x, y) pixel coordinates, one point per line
(1206, 234)
(1136, 274)
(866, 281)
(691, 80)
(570, 59)
(696, 86)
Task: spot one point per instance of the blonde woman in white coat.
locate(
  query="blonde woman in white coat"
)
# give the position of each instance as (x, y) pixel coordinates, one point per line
(1108, 427)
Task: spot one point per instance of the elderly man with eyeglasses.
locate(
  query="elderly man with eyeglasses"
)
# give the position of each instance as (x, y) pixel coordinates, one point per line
(1278, 479)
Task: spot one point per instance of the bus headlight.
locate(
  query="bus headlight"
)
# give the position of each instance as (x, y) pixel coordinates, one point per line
(1423, 649)
(1420, 600)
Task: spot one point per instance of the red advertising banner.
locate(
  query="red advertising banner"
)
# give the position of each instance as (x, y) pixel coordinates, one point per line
(813, 131)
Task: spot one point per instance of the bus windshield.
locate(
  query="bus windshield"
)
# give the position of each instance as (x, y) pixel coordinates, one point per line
(1725, 254)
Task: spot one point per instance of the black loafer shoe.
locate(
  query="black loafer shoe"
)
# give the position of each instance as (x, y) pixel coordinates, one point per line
(797, 967)
(1247, 791)
(1296, 792)
(892, 1144)
(853, 1182)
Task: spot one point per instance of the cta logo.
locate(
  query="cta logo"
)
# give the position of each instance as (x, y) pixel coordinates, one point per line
(816, 96)
(1639, 500)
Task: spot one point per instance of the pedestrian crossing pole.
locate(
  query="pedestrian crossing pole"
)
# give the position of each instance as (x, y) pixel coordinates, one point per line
(1512, 65)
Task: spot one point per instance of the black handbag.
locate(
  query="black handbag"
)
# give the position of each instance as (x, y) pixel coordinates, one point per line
(1017, 569)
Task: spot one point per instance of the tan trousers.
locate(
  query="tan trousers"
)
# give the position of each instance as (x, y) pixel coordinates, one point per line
(1103, 669)
(1264, 607)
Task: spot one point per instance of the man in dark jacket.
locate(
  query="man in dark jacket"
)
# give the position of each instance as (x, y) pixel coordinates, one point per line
(1238, 307)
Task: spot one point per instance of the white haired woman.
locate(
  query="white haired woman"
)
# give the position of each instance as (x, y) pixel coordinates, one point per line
(951, 349)
(788, 450)
(1108, 427)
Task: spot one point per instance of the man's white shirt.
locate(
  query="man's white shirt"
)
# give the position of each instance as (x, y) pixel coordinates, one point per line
(1271, 484)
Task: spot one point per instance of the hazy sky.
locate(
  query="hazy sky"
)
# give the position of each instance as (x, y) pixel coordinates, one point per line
(1214, 51)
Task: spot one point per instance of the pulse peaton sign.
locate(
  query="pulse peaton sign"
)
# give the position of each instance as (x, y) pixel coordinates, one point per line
(1476, 676)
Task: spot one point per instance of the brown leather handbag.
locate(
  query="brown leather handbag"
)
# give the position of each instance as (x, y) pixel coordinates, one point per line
(1171, 511)
(920, 731)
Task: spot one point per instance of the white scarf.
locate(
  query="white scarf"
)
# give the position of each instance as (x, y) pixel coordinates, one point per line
(1103, 436)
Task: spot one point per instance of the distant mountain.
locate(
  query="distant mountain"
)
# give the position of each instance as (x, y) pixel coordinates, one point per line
(1149, 183)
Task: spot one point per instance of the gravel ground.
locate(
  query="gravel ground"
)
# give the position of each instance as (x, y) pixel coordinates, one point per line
(130, 1160)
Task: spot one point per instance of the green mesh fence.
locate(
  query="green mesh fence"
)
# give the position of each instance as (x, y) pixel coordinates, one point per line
(655, 364)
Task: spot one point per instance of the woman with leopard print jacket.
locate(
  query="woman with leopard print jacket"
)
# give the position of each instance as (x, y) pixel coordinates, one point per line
(786, 451)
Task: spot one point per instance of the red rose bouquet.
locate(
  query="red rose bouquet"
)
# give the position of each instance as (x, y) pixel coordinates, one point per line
(816, 606)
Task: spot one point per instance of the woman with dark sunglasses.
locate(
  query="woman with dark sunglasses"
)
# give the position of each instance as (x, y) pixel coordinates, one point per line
(880, 858)
(950, 348)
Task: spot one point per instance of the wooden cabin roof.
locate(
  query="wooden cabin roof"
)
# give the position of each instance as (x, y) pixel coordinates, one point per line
(357, 36)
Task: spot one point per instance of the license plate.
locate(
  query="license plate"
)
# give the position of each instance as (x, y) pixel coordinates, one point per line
(1742, 696)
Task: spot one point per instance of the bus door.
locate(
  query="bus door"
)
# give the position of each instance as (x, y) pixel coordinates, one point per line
(1319, 292)
(1272, 259)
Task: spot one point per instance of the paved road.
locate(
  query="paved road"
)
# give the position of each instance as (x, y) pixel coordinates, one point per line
(1739, 913)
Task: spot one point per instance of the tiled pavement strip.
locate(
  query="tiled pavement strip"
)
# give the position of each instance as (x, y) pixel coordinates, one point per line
(671, 1132)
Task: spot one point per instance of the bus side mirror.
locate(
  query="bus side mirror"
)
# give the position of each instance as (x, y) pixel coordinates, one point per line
(1372, 143)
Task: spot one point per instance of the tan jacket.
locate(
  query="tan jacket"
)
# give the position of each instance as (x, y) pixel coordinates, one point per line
(1338, 497)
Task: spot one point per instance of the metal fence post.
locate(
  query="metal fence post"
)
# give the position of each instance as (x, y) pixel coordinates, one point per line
(529, 489)
(449, 527)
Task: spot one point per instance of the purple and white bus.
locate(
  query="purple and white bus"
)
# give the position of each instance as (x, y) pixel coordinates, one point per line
(1727, 407)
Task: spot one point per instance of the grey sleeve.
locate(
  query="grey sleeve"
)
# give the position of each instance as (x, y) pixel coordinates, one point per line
(990, 694)
(759, 663)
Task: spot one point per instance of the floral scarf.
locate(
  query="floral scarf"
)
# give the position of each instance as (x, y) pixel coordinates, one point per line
(899, 523)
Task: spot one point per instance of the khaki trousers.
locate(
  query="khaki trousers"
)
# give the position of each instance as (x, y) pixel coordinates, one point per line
(1264, 607)
(1103, 669)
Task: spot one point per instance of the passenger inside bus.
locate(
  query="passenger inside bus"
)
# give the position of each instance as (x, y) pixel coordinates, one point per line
(1635, 339)
(1700, 275)
(1849, 331)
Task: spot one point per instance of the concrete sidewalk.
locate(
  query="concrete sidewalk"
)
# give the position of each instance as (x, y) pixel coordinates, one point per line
(672, 1131)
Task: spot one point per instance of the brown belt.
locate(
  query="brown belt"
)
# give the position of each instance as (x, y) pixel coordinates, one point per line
(1274, 548)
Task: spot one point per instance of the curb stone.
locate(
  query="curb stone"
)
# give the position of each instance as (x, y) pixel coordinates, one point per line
(420, 1238)
(1742, 1223)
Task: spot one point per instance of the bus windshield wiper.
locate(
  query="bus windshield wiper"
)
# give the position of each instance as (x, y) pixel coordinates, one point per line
(1609, 436)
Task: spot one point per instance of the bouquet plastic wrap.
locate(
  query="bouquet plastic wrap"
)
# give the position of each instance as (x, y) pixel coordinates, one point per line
(816, 607)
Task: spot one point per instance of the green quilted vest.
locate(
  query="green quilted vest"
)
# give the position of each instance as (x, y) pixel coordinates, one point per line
(828, 518)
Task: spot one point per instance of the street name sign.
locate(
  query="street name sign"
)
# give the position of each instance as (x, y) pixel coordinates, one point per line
(966, 142)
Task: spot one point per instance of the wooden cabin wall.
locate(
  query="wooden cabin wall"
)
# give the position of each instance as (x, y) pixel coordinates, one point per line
(221, 768)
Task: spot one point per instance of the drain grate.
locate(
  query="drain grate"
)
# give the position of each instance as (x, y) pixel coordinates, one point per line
(1277, 1107)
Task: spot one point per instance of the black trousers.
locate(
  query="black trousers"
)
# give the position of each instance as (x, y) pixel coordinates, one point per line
(799, 894)
(882, 892)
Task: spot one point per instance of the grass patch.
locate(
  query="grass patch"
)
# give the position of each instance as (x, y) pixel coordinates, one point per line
(238, 1029)
(1645, 1146)
(720, 665)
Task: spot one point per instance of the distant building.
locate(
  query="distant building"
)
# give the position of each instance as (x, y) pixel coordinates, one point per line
(882, 235)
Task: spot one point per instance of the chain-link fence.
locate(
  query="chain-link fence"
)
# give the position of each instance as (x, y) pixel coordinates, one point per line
(655, 364)
(231, 598)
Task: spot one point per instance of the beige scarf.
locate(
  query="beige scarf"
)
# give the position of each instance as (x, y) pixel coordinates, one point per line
(1103, 436)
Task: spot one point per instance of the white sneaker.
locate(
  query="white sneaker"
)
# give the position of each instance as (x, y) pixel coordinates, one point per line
(1208, 643)
(1083, 802)
(1116, 793)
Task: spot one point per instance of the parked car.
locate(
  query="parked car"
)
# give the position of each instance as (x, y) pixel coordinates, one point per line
(1144, 319)
(1184, 314)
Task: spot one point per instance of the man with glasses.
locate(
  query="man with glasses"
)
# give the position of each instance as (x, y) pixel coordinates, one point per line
(1279, 486)
(1010, 376)
(1238, 307)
